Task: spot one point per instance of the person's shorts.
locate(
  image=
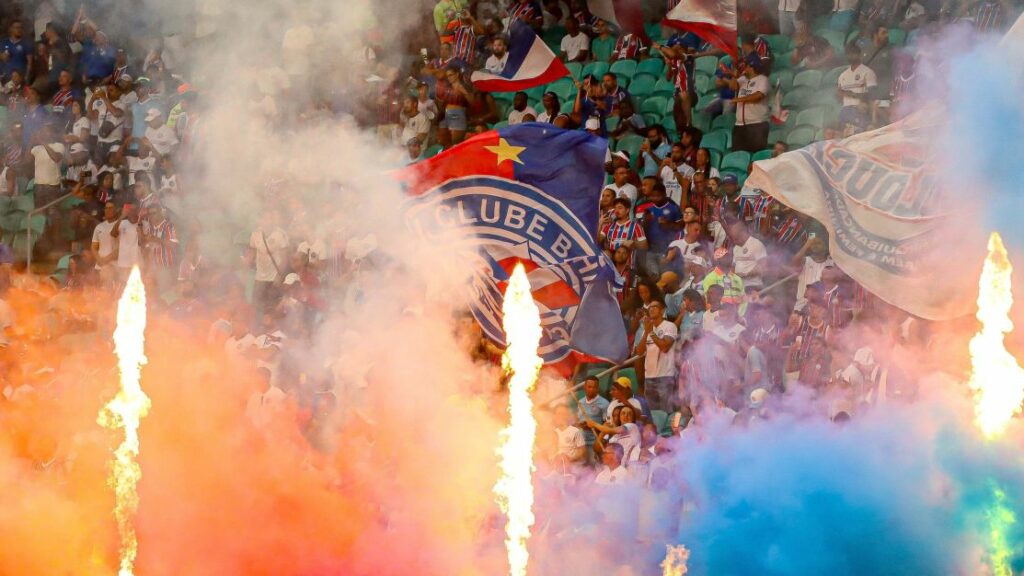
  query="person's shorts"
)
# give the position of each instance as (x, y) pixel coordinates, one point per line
(455, 119)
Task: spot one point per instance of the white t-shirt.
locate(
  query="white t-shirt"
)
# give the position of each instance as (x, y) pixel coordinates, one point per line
(629, 439)
(728, 333)
(573, 45)
(418, 124)
(615, 404)
(627, 191)
(569, 439)
(809, 274)
(745, 259)
(516, 117)
(858, 81)
(753, 112)
(104, 116)
(672, 186)
(607, 477)
(163, 139)
(496, 65)
(82, 123)
(277, 241)
(140, 168)
(236, 348)
(101, 235)
(658, 364)
(128, 251)
(686, 250)
(48, 171)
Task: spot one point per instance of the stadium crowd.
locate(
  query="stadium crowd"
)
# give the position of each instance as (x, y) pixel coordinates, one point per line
(729, 297)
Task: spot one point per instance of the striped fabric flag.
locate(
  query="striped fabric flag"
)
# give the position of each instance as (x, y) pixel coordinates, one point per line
(530, 63)
(712, 20)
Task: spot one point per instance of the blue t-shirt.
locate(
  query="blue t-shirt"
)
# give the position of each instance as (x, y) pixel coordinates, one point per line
(659, 236)
(589, 109)
(34, 120)
(724, 92)
(97, 62)
(652, 165)
(18, 52)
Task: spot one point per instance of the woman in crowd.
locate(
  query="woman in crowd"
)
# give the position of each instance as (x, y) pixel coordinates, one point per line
(460, 96)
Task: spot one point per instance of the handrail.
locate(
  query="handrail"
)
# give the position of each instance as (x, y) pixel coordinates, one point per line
(28, 225)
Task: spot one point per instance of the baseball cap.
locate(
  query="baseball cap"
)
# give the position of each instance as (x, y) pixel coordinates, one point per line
(623, 382)
(78, 147)
(153, 114)
(592, 124)
(667, 278)
(125, 79)
(622, 154)
(730, 179)
(291, 278)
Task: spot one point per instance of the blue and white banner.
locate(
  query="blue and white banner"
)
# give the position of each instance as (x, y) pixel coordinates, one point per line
(530, 63)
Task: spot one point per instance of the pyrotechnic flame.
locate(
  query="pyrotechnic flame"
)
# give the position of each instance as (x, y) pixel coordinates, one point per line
(514, 489)
(125, 411)
(1000, 520)
(674, 563)
(996, 377)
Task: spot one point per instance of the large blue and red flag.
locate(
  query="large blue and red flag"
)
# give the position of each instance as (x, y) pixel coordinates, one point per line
(713, 21)
(530, 63)
(528, 193)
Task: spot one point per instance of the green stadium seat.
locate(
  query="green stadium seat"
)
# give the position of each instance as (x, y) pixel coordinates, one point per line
(611, 123)
(623, 79)
(651, 118)
(831, 79)
(664, 88)
(702, 84)
(563, 88)
(782, 79)
(706, 65)
(574, 68)
(23, 203)
(897, 36)
(836, 38)
(705, 101)
(502, 124)
(724, 61)
(11, 222)
(535, 93)
(738, 161)
(503, 96)
(5, 204)
(701, 121)
(598, 69)
(553, 38)
(777, 134)
(654, 104)
(782, 61)
(668, 122)
(720, 140)
(651, 66)
(808, 79)
(779, 43)
(21, 245)
(654, 31)
(660, 420)
(593, 369)
(433, 151)
(813, 117)
(797, 98)
(625, 67)
(800, 137)
(716, 157)
(642, 86)
(630, 143)
(761, 155)
(64, 263)
(723, 122)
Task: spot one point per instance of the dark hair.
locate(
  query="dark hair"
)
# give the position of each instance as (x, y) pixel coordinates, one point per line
(624, 201)
(694, 296)
(658, 186)
(525, 95)
(853, 48)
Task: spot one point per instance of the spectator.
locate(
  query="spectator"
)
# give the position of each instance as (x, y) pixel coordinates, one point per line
(499, 56)
(35, 118)
(658, 341)
(415, 151)
(629, 121)
(127, 232)
(268, 403)
(107, 117)
(552, 108)
(752, 110)
(787, 16)
(575, 45)
(613, 473)
(268, 247)
(622, 430)
(614, 94)
(723, 275)
(621, 187)
(520, 109)
(691, 321)
(160, 137)
(444, 12)
(104, 246)
(161, 242)
(675, 175)
(624, 231)
(662, 222)
(48, 152)
(856, 86)
(527, 11)
(65, 94)
(464, 36)
(592, 406)
(684, 250)
(98, 59)
(16, 52)
(460, 96)
(654, 149)
(750, 256)
(415, 124)
(810, 50)
(603, 44)
(723, 103)
(812, 258)
(629, 47)
(572, 446)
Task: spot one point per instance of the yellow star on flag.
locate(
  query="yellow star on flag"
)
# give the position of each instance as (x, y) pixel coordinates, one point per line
(506, 151)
